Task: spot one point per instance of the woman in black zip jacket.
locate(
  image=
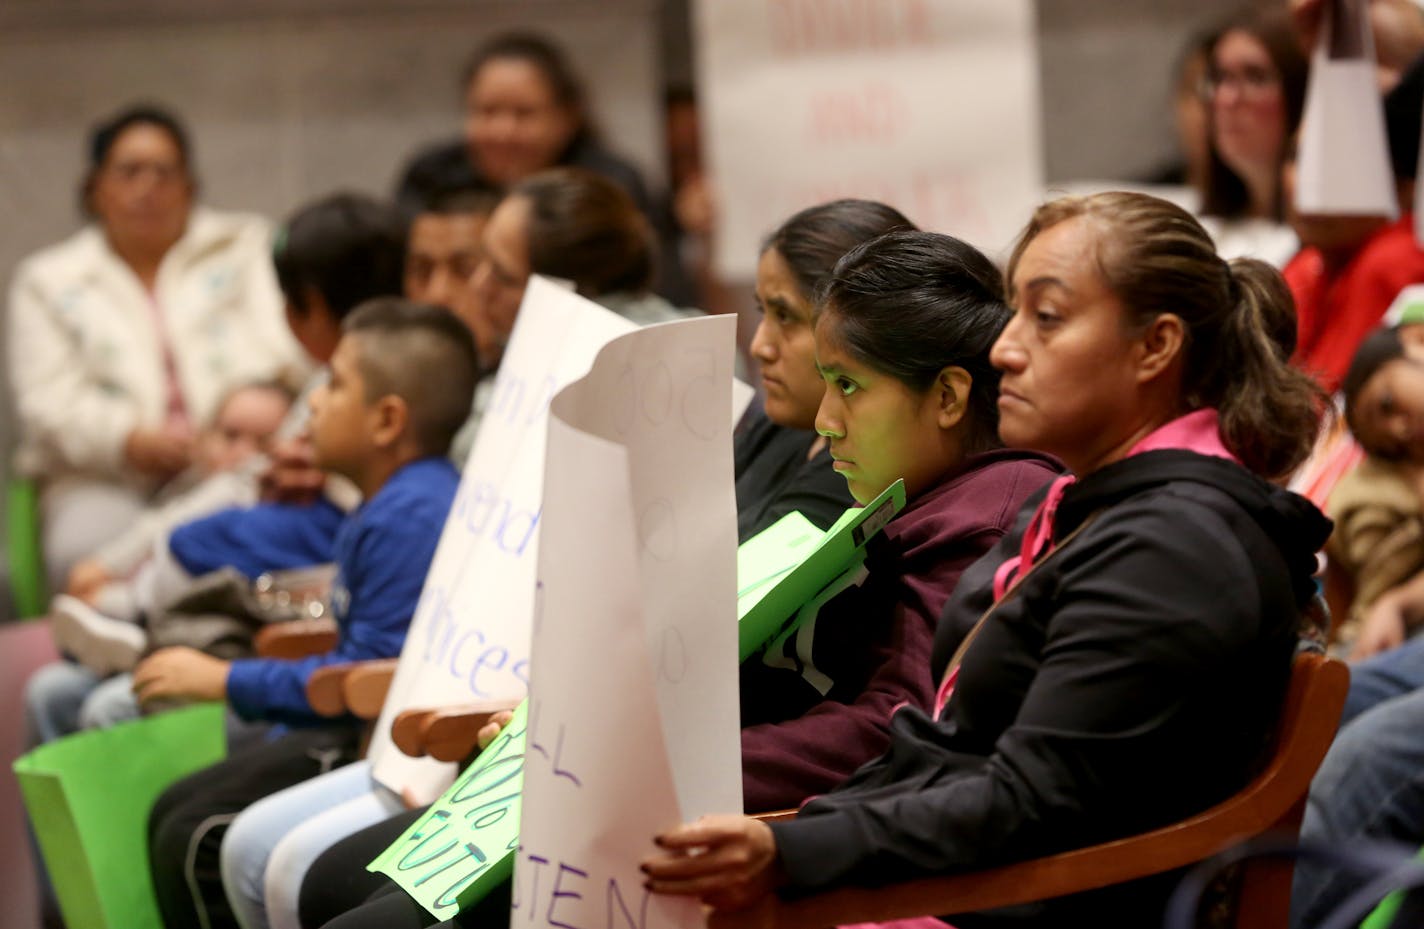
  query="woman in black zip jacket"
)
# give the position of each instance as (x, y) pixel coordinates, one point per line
(1139, 622)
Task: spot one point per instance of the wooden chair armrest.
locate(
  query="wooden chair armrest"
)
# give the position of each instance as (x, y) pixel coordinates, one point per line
(325, 689)
(445, 734)
(355, 687)
(366, 686)
(296, 639)
(775, 816)
(407, 729)
(1273, 800)
(972, 892)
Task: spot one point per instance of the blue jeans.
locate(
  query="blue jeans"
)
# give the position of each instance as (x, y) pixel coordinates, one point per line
(271, 845)
(1371, 784)
(1385, 676)
(63, 698)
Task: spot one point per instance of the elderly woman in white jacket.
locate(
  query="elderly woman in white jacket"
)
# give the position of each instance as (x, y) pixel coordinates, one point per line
(125, 336)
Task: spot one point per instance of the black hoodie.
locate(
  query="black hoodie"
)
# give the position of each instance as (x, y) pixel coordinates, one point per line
(1130, 681)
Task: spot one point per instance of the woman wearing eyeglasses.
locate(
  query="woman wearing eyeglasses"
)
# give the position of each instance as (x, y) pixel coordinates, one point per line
(1254, 89)
(124, 338)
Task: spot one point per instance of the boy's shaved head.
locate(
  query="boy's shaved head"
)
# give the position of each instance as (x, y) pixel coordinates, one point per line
(422, 354)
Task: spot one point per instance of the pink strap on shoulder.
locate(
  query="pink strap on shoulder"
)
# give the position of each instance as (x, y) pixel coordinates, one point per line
(946, 689)
(918, 922)
(1198, 431)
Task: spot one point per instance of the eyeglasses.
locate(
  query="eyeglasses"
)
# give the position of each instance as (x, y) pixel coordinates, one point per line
(1250, 83)
(133, 170)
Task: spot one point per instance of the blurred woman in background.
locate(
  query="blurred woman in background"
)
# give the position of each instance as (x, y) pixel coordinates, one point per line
(1254, 88)
(125, 337)
(525, 111)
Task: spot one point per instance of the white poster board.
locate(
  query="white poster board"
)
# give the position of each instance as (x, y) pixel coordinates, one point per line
(469, 638)
(633, 720)
(1343, 165)
(931, 106)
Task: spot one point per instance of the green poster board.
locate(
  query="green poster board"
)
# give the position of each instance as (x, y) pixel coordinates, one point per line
(89, 797)
(783, 567)
(464, 846)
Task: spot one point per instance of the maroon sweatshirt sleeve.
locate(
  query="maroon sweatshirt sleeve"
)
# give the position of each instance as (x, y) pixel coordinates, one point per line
(882, 635)
(784, 764)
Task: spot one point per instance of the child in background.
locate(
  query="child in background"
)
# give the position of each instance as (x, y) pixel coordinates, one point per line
(336, 254)
(109, 583)
(1352, 268)
(1406, 315)
(385, 424)
(1378, 543)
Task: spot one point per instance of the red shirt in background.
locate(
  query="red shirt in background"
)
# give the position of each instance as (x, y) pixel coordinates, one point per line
(1335, 311)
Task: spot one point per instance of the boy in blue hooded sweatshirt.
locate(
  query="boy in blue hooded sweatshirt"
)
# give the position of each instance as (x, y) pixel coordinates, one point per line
(384, 423)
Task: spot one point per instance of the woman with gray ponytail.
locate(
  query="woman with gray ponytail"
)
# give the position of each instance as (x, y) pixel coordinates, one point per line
(1129, 643)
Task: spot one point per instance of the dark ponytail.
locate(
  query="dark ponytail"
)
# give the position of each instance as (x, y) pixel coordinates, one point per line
(1270, 410)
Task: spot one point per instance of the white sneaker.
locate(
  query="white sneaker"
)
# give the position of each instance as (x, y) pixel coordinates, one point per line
(102, 644)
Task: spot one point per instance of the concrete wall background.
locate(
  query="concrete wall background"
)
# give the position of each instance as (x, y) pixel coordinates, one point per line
(286, 100)
(1107, 74)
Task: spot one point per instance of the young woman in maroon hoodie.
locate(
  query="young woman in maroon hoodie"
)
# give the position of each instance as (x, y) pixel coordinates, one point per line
(902, 337)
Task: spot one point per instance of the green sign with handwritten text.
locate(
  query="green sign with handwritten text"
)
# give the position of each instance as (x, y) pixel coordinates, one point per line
(464, 846)
(782, 568)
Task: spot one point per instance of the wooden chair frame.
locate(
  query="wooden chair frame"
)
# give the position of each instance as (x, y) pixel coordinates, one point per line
(1273, 802)
(446, 733)
(296, 639)
(360, 688)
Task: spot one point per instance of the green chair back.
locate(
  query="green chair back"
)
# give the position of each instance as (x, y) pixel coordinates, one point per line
(28, 586)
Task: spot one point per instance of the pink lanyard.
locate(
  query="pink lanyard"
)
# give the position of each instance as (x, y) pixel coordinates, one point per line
(1037, 542)
(1198, 431)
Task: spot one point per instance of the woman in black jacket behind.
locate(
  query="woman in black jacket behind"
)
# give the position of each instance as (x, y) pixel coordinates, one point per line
(1140, 619)
(525, 112)
(781, 464)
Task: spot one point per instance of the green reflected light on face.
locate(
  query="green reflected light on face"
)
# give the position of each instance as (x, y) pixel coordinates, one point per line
(881, 429)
